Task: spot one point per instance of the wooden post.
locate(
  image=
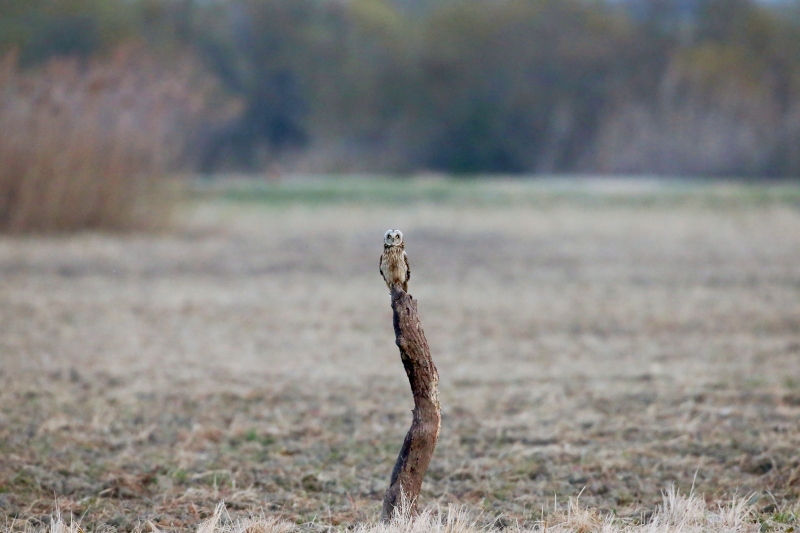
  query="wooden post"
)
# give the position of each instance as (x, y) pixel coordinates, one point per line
(417, 450)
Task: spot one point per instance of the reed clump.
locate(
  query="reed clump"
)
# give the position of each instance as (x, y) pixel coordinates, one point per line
(89, 145)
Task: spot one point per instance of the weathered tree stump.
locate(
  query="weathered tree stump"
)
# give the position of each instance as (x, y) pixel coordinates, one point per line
(417, 450)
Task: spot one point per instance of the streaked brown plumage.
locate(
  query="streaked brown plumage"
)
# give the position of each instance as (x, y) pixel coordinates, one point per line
(393, 264)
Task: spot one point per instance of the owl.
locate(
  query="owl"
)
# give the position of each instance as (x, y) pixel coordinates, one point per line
(394, 262)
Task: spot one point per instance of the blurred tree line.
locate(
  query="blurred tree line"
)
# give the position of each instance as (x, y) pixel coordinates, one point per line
(680, 87)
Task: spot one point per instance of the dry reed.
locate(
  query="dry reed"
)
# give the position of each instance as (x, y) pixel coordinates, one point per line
(87, 145)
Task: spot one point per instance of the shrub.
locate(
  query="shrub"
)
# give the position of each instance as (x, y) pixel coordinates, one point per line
(88, 144)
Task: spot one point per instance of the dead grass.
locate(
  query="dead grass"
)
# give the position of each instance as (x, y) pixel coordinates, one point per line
(607, 351)
(677, 513)
(90, 145)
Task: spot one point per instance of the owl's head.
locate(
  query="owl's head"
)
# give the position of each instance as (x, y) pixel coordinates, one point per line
(393, 237)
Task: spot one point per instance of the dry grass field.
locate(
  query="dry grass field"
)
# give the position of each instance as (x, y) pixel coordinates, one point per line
(607, 339)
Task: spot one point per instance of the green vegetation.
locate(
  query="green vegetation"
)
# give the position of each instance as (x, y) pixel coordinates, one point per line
(496, 191)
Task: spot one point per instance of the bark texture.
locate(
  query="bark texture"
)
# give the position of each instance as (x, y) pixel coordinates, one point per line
(417, 450)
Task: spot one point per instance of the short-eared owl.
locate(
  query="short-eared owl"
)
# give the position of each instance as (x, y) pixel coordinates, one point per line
(394, 261)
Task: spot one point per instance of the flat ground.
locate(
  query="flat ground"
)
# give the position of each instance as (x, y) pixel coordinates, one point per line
(607, 338)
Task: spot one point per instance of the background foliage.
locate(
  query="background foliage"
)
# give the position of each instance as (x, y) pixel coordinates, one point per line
(679, 87)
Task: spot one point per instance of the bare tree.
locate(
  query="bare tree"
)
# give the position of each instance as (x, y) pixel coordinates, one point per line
(420, 441)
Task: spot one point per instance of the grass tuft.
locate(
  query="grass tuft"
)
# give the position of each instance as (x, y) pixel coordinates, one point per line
(678, 513)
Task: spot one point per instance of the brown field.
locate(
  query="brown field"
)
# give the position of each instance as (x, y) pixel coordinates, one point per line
(600, 342)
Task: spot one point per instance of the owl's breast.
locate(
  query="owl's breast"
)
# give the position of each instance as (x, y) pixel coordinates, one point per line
(393, 266)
